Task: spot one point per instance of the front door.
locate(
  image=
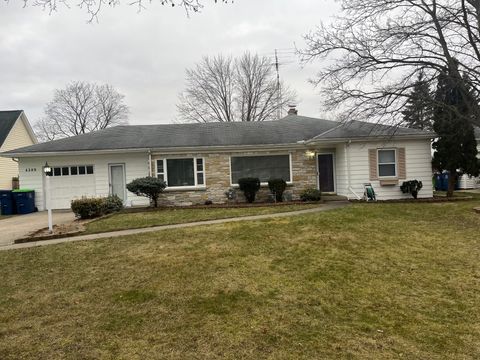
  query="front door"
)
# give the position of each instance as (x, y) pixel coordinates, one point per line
(117, 180)
(326, 173)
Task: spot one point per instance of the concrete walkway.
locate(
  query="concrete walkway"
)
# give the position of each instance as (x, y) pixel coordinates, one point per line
(20, 226)
(324, 207)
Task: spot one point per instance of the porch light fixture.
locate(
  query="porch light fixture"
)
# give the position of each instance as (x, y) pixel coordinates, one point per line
(309, 154)
(47, 169)
(48, 172)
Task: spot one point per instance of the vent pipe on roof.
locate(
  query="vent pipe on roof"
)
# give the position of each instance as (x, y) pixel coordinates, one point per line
(293, 110)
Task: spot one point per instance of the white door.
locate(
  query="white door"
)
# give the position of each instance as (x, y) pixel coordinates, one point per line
(70, 185)
(117, 180)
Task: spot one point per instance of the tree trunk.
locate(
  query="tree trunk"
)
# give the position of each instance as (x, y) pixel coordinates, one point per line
(452, 180)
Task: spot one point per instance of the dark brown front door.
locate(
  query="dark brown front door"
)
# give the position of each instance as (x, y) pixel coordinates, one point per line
(325, 173)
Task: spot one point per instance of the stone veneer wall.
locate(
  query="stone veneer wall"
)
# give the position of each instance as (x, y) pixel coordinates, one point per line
(217, 176)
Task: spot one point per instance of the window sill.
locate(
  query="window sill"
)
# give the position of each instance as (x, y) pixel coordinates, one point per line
(389, 182)
(185, 188)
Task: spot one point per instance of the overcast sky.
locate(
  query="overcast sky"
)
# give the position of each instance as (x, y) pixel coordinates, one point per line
(144, 55)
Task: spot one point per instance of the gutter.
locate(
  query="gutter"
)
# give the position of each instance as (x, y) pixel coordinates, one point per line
(315, 141)
(176, 150)
(12, 154)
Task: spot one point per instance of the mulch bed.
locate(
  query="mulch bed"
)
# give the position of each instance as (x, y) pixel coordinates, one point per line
(435, 199)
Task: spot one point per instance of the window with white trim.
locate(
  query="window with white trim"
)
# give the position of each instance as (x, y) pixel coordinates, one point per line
(264, 167)
(182, 172)
(387, 163)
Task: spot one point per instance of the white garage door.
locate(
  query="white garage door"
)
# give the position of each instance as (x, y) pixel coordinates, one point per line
(71, 182)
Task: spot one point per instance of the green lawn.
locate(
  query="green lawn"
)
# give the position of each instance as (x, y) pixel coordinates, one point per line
(132, 220)
(371, 281)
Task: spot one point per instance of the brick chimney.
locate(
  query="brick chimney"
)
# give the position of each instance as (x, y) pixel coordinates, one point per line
(293, 110)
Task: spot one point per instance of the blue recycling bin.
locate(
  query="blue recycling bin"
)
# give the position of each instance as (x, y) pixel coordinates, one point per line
(24, 200)
(441, 182)
(438, 182)
(445, 177)
(7, 205)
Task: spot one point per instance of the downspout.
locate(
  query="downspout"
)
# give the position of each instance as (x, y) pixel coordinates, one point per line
(347, 160)
(150, 163)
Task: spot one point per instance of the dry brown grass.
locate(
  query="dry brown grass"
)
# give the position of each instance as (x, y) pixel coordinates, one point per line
(372, 281)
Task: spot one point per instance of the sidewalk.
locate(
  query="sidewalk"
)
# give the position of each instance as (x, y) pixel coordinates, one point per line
(325, 207)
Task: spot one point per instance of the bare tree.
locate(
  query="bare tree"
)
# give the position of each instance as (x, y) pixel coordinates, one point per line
(372, 53)
(225, 89)
(94, 7)
(209, 93)
(81, 108)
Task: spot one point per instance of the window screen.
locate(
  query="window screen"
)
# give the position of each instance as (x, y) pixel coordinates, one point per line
(387, 163)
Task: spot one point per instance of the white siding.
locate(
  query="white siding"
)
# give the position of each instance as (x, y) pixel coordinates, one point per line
(17, 138)
(418, 167)
(467, 182)
(136, 165)
(341, 169)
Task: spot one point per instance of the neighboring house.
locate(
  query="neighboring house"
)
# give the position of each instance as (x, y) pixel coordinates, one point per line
(471, 182)
(201, 162)
(15, 132)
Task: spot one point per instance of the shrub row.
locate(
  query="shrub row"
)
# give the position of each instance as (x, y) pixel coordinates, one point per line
(310, 194)
(250, 187)
(89, 208)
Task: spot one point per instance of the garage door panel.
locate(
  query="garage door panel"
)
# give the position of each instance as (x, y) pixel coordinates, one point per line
(66, 188)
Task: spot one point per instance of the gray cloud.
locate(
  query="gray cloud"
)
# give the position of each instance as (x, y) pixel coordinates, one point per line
(144, 55)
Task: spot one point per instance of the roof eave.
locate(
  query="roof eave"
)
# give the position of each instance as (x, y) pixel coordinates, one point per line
(226, 148)
(13, 154)
(371, 138)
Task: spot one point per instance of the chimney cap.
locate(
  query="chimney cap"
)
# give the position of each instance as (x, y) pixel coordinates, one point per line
(293, 110)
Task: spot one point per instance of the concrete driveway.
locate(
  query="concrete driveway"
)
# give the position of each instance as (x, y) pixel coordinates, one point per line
(20, 226)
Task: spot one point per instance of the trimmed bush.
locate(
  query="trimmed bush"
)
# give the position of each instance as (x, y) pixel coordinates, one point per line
(150, 187)
(311, 194)
(250, 187)
(412, 187)
(277, 187)
(112, 204)
(89, 208)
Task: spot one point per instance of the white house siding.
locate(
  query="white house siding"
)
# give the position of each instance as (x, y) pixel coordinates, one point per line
(341, 170)
(469, 182)
(17, 138)
(418, 167)
(136, 165)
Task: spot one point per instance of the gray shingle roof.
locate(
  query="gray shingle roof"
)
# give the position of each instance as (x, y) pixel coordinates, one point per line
(477, 133)
(356, 129)
(288, 130)
(7, 120)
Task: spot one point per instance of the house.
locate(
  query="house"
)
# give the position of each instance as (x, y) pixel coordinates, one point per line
(15, 132)
(471, 182)
(201, 162)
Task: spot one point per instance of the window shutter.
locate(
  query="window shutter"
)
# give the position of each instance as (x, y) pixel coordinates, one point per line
(402, 167)
(372, 160)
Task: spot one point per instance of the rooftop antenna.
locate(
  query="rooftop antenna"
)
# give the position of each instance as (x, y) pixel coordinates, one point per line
(277, 66)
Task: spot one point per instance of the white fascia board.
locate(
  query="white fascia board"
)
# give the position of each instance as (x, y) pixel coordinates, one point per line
(73, 153)
(29, 127)
(371, 138)
(220, 149)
